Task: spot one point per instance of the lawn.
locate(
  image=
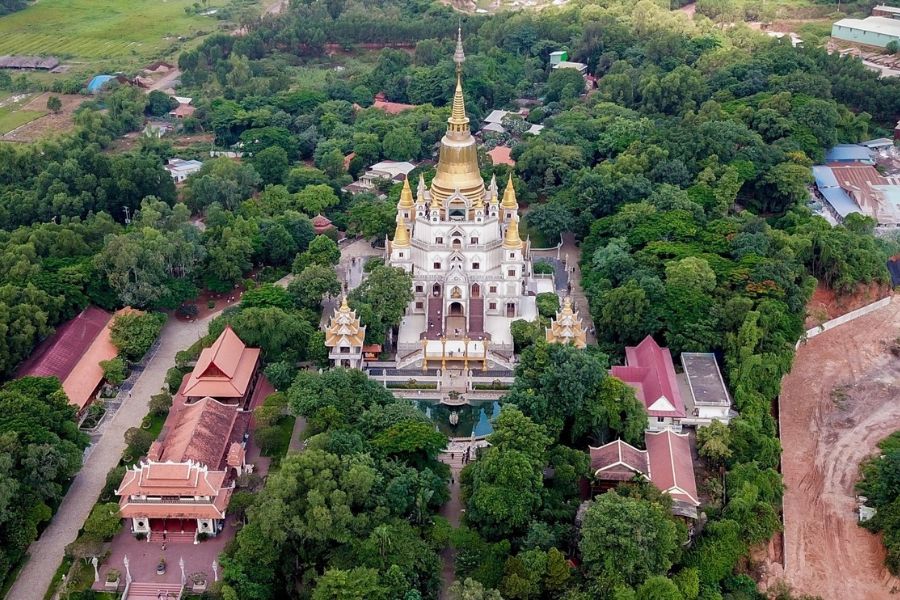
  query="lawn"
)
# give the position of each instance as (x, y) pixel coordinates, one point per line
(277, 450)
(11, 118)
(102, 29)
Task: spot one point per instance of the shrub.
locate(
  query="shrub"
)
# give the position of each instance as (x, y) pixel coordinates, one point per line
(281, 374)
(174, 377)
(547, 304)
(160, 404)
(113, 479)
(104, 522)
(543, 268)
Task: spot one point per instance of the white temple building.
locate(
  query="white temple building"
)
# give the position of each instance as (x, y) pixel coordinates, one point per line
(472, 273)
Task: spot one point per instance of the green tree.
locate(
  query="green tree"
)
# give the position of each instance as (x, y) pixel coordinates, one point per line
(314, 199)
(312, 285)
(547, 304)
(322, 251)
(471, 589)
(627, 540)
(271, 164)
(54, 104)
(381, 300)
(114, 371)
(159, 104)
(713, 443)
(401, 143)
(133, 332)
(104, 522)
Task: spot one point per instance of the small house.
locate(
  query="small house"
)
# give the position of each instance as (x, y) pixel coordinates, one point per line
(650, 371)
(181, 169)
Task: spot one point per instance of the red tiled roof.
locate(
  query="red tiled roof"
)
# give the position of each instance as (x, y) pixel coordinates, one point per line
(651, 373)
(236, 455)
(618, 461)
(672, 465)
(502, 155)
(224, 369)
(183, 110)
(58, 354)
(212, 510)
(199, 432)
(392, 108)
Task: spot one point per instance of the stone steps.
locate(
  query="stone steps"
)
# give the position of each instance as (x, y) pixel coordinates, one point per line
(153, 591)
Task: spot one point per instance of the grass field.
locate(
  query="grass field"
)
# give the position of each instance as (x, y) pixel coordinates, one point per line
(91, 30)
(12, 115)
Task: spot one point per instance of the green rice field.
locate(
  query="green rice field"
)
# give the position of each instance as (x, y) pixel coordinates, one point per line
(101, 29)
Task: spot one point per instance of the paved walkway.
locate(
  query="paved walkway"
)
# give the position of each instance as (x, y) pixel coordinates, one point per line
(452, 511)
(297, 443)
(570, 255)
(46, 553)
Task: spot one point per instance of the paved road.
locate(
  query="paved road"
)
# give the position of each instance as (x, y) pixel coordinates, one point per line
(452, 511)
(47, 552)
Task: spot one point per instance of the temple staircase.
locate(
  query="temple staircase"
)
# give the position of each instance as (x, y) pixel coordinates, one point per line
(152, 591)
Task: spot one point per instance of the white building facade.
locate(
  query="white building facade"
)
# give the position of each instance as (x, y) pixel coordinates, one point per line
(471, 271)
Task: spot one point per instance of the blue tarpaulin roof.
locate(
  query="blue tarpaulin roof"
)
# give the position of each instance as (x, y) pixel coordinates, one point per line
(833, 193)
(849, 153)
(98, 82)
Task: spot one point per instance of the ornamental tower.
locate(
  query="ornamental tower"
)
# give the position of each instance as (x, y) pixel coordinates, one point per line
(457, 169)
(566, 328)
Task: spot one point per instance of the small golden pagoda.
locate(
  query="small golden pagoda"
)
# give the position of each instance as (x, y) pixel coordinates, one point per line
(566, 328)
(345, 337)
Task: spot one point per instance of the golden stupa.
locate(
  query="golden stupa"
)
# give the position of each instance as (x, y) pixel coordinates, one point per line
(457, 168)
(567, 328)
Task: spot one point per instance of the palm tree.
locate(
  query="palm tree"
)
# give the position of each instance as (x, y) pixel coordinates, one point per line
(382, 534)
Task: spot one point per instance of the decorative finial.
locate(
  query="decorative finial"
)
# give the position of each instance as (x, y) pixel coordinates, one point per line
(509, 195)
(401, 235)
(406, 199)
(459, 57)
(344, 306)
(512, 241)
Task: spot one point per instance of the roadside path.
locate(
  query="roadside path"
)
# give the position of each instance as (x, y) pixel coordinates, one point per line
(46, 553)
(452, 511)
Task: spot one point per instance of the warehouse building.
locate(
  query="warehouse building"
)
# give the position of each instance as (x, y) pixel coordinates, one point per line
(871, 31)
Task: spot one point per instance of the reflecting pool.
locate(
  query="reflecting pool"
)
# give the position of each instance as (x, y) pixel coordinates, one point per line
(474, 418)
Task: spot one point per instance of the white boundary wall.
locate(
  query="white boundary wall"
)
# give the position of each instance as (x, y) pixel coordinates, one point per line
(853, 314)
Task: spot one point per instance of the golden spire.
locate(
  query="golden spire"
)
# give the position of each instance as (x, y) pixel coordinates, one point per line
(512, 241)
(567, 307)
(509, 195)
(406, 199)
(457, 167)
(401, 234)
(345, 308)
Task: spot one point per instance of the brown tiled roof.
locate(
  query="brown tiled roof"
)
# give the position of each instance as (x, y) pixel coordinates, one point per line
(619, 461)
(392, 108)
(183, 110)
(58, 354)
(170, 479)
(672, 465)
(87, 375)
(200, 432)
(212, 510)
(236, 455)
(224, 369)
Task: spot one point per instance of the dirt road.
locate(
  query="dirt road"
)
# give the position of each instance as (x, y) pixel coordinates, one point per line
(839, 400)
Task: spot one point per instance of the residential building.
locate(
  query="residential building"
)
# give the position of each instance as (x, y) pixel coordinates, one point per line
(709, 399)
(73, 355)
(181, 169)
(890, 12)
(567, 327)
(650, 371)
(667, 463)
(566, 64)
(871, 31)
(391, 170)
(345, 338)
(471, 271)
(182, 111)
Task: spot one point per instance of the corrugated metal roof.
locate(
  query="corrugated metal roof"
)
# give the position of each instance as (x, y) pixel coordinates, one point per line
(880, 25)
(840, 201)
(849, 153)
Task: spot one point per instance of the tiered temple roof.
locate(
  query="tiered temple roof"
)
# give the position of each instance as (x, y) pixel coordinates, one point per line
(567, 328)
(344, 328)
(173, 480)
(224, 370)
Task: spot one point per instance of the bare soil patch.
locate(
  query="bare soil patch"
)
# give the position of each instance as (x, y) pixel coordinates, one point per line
(826, 305)
(839, 400)
(49, 124)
